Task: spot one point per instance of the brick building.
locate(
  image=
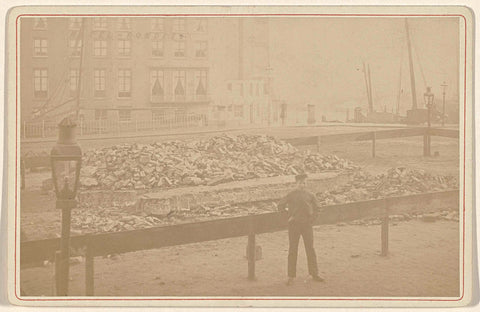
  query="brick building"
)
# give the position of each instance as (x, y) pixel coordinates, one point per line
(140, 68)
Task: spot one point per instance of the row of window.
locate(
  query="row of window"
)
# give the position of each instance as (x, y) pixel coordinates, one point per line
(244, 88)
(124, 23)
(124, 48)
(125, 115)
(124, 83)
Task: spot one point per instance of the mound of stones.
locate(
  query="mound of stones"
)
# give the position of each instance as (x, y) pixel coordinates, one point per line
(209, 161)
(361, 186)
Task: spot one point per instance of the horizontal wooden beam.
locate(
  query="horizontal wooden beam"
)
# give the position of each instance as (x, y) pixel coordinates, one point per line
(447, 133)
(35, 252)
(368, 135)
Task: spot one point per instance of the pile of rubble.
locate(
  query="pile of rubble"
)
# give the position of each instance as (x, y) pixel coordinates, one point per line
(211, 161)
(362, 186)
(396, 182)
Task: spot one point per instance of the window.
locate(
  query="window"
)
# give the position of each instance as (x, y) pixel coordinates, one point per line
(124, 83)
(201, 82)
(258, 89)
(124, 23)
(124, 47)
(238, 110)
(40, 82)
(251, 88)
(179, 84)
(200, 25)
(40, 23)
(178, 25)
(229, 86)
(40, 47)
(157, 85)
(74, 22)
(179, 48)
(201, 49)
(157, 24)
(75, 47)
(100, 48)
(157, 48)
(125, 115)
(99, 82)
(265, 89)
(100, 23)
(73, 80)
(101, 114)
(241, 88)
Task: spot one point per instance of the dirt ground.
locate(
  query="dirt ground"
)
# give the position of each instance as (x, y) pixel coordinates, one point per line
(423, 261)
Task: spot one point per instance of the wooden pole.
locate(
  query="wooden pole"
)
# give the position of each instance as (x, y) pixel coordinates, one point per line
(412, 73)
(385, 221)
(370, 88)
(58, 260)
(65, 249)
(367, 87)
(426, 144)
(251, 252)
(22, 174)
(374, 137)
(319, 143)
(89, 272)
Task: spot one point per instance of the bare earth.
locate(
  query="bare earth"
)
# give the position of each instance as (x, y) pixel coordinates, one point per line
(423, 261)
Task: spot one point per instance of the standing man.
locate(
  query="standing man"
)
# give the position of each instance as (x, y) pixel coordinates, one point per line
(302, 206)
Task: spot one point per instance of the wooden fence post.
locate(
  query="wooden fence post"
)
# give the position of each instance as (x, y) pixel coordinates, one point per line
(374, 137)
(426, 143)
(22, 174)
(58, 268)
(251, 251)
(319, 142)
(89, 272)
(43, 128)
(385, 223)
(24, 129)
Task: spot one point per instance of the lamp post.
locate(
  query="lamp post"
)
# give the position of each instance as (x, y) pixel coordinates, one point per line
(444, 86)
(428, 97)
(66, 158)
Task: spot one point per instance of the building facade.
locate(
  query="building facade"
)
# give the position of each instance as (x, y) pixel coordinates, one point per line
(140, 68)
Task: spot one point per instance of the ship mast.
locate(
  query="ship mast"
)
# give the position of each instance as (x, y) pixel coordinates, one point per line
(412, 74)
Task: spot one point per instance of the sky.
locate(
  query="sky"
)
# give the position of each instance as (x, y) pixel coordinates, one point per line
(319, 60)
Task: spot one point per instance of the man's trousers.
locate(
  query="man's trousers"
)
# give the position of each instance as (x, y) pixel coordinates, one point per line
(295, 230)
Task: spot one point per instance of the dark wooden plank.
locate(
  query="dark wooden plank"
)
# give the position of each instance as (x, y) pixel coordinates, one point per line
(447, 133)
(35, 252)
(302, 141)
(399, 133)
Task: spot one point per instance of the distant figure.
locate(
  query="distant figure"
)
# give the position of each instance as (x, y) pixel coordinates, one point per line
(302, 206)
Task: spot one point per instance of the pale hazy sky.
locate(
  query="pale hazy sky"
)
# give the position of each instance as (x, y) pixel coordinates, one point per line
(319, 60)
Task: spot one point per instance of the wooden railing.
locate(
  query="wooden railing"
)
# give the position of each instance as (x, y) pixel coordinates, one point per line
(33, 253)
(375, 135)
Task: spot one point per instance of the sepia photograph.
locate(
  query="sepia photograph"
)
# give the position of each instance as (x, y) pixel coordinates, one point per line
(240, 156)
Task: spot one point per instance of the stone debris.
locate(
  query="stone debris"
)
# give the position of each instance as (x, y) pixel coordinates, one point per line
(210, 161)
(362, 186)
(396, 182)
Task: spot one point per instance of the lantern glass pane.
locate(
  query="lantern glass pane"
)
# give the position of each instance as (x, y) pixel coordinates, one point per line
(65, 176)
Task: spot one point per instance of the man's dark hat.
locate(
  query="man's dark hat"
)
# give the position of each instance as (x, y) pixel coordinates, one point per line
(301, 177)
